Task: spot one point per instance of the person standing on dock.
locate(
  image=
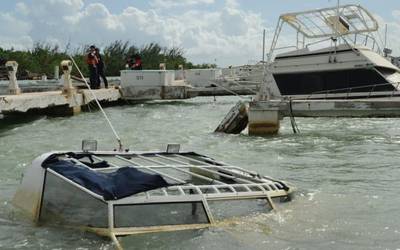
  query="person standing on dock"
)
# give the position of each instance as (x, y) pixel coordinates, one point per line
(92, 61)
(138, 63)
(100, 69)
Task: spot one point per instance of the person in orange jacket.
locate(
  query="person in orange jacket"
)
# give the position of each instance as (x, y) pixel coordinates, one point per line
(92, 61)
(138, 63)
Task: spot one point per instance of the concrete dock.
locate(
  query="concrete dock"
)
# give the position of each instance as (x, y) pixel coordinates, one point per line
(265, 116)
(55, 102)
(67, 101)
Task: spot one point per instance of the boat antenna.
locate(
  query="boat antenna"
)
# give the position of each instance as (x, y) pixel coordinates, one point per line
(386, 29)
(263, 47)
(120, 147)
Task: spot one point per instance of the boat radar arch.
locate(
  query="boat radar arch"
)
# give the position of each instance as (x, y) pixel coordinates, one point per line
(328, 22)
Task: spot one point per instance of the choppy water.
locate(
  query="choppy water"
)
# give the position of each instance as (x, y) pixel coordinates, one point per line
(346, 170)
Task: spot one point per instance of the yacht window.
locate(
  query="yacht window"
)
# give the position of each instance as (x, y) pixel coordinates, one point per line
(358, 80)
(395, 78)
(386, 71)
(67, 204)
(159, 214)
(223, 209)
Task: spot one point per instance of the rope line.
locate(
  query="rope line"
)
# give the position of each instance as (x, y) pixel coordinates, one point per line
(98, 104)
(228, 90)
(292, 120)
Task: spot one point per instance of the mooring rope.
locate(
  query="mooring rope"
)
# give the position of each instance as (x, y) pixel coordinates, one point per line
(292, 120)
(98, 104)
(228, 90)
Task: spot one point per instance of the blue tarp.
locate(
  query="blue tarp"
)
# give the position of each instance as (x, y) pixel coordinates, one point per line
(124, 182)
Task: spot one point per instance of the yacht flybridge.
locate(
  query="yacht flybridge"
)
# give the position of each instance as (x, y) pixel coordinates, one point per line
(336, 54)
(124, 193)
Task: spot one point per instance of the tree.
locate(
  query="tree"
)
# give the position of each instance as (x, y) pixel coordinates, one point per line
(42, 58)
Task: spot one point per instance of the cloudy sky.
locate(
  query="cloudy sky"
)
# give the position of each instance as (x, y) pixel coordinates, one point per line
(228, 32)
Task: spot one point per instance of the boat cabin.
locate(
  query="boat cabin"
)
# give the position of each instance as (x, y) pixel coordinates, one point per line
(333, 53)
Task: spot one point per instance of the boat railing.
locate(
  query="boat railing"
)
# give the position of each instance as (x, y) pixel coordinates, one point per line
(349, 92)
(308, 45)
(321, 25)
(365, 40)
(368, 41)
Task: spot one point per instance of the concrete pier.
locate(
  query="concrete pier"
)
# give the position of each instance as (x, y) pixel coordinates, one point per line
(67, 101)
(54, 102)
(265, 116)
(67, 98)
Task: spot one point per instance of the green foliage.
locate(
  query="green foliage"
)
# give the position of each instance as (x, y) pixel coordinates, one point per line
(115, 56)
(42, 58)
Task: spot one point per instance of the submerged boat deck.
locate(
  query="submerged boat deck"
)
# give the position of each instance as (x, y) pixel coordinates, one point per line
(196, 174)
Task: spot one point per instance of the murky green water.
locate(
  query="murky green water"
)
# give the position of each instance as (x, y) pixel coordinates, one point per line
(347, 172)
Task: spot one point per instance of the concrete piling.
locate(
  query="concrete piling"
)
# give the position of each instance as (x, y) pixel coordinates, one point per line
(56, 72)
(263, 121)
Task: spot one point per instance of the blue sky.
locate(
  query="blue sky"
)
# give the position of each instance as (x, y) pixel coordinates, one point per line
(225, 31)
(269, 9)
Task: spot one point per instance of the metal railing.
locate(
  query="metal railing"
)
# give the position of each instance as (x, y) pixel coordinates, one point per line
(219, 180)
(352, 92)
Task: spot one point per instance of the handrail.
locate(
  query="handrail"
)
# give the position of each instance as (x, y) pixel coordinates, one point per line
(395, 89)
(316, 42)
(374, 47)
(351, 89)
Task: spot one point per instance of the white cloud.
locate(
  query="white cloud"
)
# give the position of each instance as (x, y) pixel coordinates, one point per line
(230, 35)
(22, 8)
(14, 32)
(393, 34)
(168, 4)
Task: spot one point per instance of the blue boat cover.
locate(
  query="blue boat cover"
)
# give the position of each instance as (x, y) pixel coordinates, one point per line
(124, 182)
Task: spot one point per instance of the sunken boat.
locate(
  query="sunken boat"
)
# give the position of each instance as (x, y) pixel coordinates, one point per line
(120, 193)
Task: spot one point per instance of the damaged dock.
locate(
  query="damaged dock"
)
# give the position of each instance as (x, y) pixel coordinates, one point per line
(55, 102)
(65, 98)
(265, 116)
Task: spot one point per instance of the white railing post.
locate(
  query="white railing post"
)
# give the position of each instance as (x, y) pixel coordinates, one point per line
(12, 68)
(180, 73)
(163, 66)
(66, 66)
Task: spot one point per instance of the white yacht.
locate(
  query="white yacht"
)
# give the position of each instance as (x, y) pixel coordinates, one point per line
(336, 54)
